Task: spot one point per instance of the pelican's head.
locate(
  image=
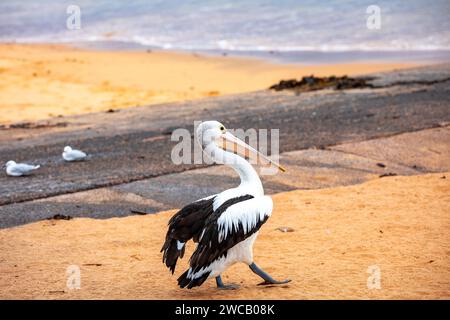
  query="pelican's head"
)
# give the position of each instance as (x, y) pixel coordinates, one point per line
(10, 163)
(209, 131)
(213, 134)
(67, 149)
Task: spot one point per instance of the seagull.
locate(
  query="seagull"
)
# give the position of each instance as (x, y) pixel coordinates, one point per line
(70, 154)
(224, 225)
(19, 169)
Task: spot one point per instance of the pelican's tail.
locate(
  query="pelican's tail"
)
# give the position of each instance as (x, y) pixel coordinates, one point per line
(173, 249)
(190, 279)
(37, 167)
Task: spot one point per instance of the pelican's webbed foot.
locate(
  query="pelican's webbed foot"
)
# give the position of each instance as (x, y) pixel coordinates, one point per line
(222, 286)
(266, 277)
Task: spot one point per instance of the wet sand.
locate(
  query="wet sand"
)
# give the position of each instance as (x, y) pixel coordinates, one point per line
(397, 224)
(42, 81)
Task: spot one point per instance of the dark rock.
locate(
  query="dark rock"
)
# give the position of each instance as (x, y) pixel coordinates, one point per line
(139, 212)
(31, 125)
(390, 174)
(312, 83)
(60, 217)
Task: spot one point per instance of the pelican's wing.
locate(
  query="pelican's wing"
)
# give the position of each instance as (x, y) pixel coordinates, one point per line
(228, 226)
(186, 224)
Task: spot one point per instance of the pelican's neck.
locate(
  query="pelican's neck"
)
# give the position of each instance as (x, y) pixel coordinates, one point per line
(249, 178)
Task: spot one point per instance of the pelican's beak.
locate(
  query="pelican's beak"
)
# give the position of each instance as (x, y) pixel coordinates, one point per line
(230, 143)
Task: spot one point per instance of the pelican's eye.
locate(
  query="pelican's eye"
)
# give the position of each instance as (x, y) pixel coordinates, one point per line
(222, 128)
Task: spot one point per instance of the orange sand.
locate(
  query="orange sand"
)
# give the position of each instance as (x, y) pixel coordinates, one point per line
(400, 224)
(41, 81)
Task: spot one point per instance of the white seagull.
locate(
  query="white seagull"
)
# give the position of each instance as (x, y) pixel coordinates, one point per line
(19, 169)
(223, 225)
(70, 154)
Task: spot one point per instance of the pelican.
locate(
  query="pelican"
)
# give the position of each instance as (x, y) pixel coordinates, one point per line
(224, 225)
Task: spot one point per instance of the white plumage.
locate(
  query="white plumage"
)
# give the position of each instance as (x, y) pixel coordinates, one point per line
(246, 214)
(224, 225)
(19, 169)
(70, 154)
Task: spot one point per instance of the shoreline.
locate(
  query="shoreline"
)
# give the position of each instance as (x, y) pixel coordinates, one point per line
(305, 57)
(42, 81)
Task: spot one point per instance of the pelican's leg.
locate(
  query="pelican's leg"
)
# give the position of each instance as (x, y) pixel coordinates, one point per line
(267, 278)
(222, 286)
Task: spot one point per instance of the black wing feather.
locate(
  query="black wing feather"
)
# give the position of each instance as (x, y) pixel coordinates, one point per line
(210, 249)
(186, 224)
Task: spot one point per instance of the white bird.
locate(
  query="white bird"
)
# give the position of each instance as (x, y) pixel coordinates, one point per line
(19, 169)
(70, 154)
(225, 225)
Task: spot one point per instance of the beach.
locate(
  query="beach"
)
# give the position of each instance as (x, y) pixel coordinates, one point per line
(45, 81)
(356, 219)
(366, 192)
(396, 225)
(349, 100)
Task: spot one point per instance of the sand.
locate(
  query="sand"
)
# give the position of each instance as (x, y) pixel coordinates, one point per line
(397, 224)
(41, 81)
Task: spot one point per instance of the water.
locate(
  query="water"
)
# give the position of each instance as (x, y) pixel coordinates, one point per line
(284, 30)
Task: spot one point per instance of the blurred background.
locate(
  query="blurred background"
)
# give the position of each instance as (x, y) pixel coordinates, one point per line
(285, 30)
